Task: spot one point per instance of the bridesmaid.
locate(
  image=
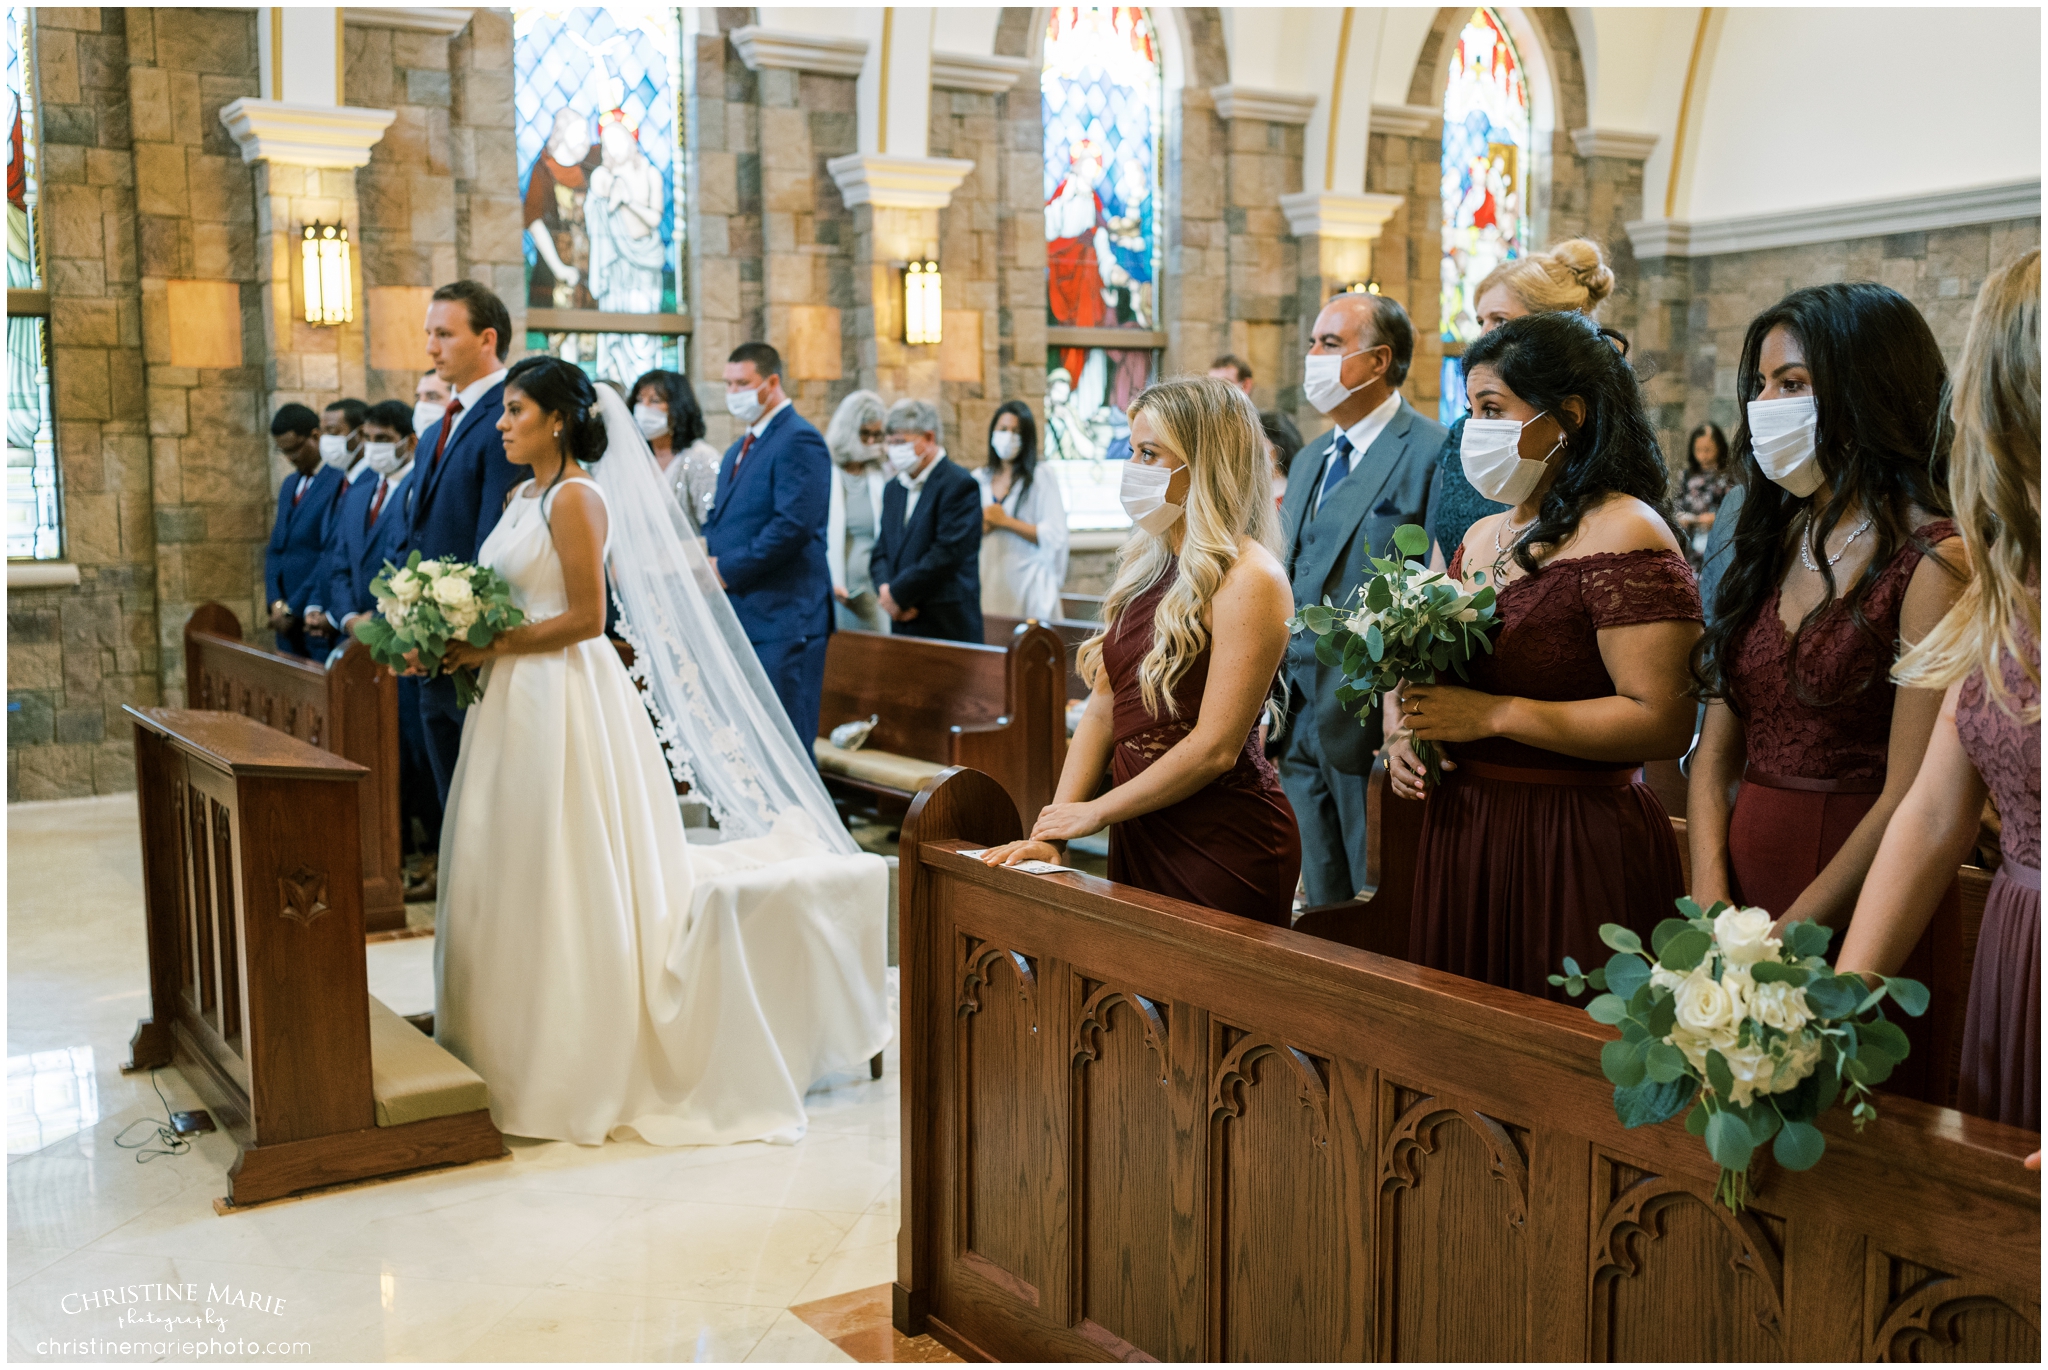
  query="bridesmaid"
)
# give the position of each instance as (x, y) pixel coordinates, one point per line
(1539, 831)
(1841, 453)
(1194, 629)
(1987, 653)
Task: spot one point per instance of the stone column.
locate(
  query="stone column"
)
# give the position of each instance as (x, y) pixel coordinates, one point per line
(488, 234)
(1404, 156)
(1337, 233)
(1264, 305)
(896, 204)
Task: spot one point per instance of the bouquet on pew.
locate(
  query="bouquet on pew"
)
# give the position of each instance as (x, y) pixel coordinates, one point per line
(1405, 622)
(423, 606)
(1757, 1034)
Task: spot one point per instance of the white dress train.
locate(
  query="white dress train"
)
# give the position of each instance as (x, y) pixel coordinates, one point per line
(599, 972)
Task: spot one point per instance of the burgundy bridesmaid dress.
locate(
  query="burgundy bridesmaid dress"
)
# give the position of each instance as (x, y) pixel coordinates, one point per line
(1231, 845)
(1526, 852)
(1816, 764)
(2001, 1074)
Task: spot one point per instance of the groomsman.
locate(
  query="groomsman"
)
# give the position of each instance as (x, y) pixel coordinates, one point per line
(1347, 492)
(765, 533)
(458, 489)
(298, 536)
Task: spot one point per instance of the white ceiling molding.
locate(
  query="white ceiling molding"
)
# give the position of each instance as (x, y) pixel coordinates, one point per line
(338, 136)
(983, 75)
(897, 182)
(1836, 223)
(445, 22)
(1274, 106)
(1614, 142)
(798, 51)
(1354, 216)
(1407, 121)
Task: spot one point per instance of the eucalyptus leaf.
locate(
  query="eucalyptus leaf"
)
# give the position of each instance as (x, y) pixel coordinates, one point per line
(1729, 1141)
(1622, 1063)
(1627, 973)
(1621, 938)
(1719, 1076)
(1887, 1037)
(1799, 1146)
(1608, 1009)
(1807, 938)
(1834, 996)
(1685, 951)
(1696, 1121)
(1764, 972)
(1910, 995)
(1652, 1102)
(1412, 539)
(1661, 935)
(1375, 642)
(1665, 1063)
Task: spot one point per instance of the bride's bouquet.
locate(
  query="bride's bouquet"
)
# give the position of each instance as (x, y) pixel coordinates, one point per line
(423, 606)
(1757, 1034)
(1405, 622)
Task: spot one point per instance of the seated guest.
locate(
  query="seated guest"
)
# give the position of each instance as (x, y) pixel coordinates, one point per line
(1986, 653)
(1573, 276)
(1828, 571)
(1023, 522)
(1283, 440)
(1704, 486)
(1194, 629)
(926, 551)
(369, 525)
(1232, 370)
(1539, 831)
(292, 562)
(666, 411)
(854, 438)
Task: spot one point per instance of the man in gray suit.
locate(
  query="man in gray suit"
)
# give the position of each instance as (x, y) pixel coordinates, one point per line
(1346, 494)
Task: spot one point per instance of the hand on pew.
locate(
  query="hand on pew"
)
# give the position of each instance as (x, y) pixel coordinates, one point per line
(1019, 853)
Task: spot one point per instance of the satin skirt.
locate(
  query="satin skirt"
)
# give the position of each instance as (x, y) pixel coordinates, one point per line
(604, 976)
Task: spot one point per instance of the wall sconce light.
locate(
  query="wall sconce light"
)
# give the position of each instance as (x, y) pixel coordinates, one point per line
(923, 303)
(1362, 288)
(330, 294)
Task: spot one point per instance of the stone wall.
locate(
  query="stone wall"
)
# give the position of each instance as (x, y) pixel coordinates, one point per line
(722, 130)
(482, 154)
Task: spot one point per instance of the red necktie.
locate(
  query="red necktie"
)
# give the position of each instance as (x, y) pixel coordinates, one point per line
(745, 443)
(299, 493)
(377, 501)
(447, 427)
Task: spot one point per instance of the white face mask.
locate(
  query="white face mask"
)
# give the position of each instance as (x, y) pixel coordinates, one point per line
(1006, 445)
(900, 457)
(1322, 380)
(744, 405)
(334, 449)
(1491, 455)
(651, 422)
(382, 456)
(1781, 435)
(426, 414)
(1144, 497)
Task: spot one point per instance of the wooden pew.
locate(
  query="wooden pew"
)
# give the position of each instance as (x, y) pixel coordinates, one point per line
(998, 709)
(351, 711)
(998, 629)
(1134, 1128)
(257, 983)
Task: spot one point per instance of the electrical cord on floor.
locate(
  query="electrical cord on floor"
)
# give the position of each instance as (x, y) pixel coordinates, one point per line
(167, 1141)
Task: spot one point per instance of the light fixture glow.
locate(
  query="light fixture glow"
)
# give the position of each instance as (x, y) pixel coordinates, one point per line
(1362, 288)
(330, 292)
(923, 303)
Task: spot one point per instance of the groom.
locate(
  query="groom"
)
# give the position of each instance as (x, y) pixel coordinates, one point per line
(765, 533)
(460, 476)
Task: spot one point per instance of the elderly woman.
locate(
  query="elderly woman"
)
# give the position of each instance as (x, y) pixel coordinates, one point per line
(854, 438)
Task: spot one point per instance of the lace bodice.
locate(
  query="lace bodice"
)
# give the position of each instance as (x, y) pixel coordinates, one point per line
(1143, 738)
(1548, 645)
(522, 549)
(1848, 739)
(2007, 751)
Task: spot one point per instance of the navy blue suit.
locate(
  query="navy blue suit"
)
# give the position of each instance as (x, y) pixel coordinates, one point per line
(298, 546)
(767, 530)
(932, 563)
(450, 508)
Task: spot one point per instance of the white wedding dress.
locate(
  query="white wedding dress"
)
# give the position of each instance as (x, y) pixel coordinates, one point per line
(603, 975)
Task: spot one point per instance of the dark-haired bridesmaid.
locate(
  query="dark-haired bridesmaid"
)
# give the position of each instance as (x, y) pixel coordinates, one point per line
(1986, 653)
(1539, 832)
(1842, 551)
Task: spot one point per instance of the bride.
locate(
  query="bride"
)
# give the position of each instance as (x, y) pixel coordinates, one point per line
(600, 973)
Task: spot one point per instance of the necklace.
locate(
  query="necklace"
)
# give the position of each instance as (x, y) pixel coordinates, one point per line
(1806, 545)
(1500, 553)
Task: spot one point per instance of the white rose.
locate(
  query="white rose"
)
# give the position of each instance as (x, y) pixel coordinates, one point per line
(1753, 1068)
(1745, 936)
(462, 619)
(406, 587)
(1780, 1005)
(1797, 1058)
(453, 592)
(394, 612)
(1704, 1004)
(1363, 619)
(1695, 1045)
(1468, 615)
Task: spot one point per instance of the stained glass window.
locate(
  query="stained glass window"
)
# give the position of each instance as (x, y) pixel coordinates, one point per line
(34, 526)
(596, 112)
(1485, 181)
(1101, 96)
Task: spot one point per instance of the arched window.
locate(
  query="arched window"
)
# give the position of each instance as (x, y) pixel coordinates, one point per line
(1485, 181)
(34, 527)
(597, 109)
(1102, 97)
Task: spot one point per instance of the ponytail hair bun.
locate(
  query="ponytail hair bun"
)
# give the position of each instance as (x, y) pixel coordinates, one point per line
(1571, 277)
(560, 388)
(1581, 261)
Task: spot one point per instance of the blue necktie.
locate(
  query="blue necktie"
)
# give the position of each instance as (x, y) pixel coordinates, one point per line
(1340, 467)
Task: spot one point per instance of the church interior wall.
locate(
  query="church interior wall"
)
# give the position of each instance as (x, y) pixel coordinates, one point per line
(155, 225)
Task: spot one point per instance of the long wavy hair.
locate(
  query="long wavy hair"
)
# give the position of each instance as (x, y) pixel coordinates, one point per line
(1027, 450)
(1882, 439)
(1546, 359)
(1230, 496)
(1996, 483)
